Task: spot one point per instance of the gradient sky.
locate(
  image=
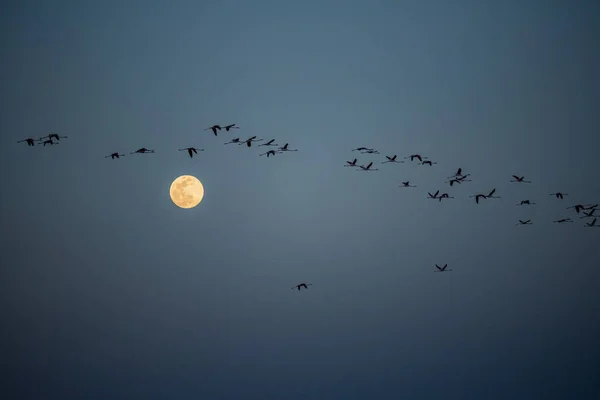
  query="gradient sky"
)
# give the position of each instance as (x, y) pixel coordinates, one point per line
(109, 291)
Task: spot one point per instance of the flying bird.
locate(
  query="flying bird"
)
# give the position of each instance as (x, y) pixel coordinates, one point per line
(351, 163)
(271, 153)
(559, 195)
(143, 150)
(369, 151)
(520, 179)
(528, 222)
(232, 126)
(578, 207)
(191, 150)
(49, 141)
(433, 196)
(301, 285)
(30, 141)
(114, 155)
(285, 148)
(249, 141)
(361, 149)
(563, 220)
(269, 143)
(234, 140)
(417, 156)
(214, 128)
(444, 196)
(406, 184)
(490, 195)
(53, 136)
(427, 162)
(392, 160)
(368, 167)
(589, 214)
(442, 269)
(479, 196)
(525, 202)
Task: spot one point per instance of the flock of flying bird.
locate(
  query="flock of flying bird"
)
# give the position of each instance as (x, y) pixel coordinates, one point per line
(458, 178)
(588, 210)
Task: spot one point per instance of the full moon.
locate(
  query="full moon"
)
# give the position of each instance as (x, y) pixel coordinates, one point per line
(186, 191)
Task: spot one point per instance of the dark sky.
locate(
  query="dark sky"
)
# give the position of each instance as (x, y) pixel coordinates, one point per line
(109, 291)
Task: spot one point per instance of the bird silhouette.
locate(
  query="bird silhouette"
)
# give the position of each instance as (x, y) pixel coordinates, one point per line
(562, 220)
(368, 167)
(214, 128)
(250, 140)
(392, 160)
(231, 126)
(559, 195)
(427, 162)
(114, 155)
(417, 156)
(53, 136)
(271, 153)
(269, 143)
(442, 269)
(528, 222)
(143, 150)
(433, 196)
(525, 202)
(49, 141)
(301, 285)
(406, 184)
(591, 224)
(235, 140)
(351, 163)
(520, 179)
(191, 151)
(286, 148)
(29, 141)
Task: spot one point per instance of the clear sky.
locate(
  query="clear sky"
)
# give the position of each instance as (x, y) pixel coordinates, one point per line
(109, 291)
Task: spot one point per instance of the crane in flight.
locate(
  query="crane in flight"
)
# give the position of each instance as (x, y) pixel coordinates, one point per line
(444, 196)
(143, 150)
(407, 184)
(562, 221)
(271, 153)
(417, 156)
(49, 141)
(362, 149)
(234, 141)
(442, 269)
(214, 128)
(368, 167)
(392, 160)
(301, 285)
(29, 141)
(520, 179)
(433, 196)
(250, 140)
(369, 151)
(528, 222)
(559, 195)
(427, 162)
(231, 126)
(269, 143)
(114, 155)
(479, 196)
(351, 163)
(589, 214)
(579, 207)
(191, 151)
(285, 148)
(525, 203)
(53, 136)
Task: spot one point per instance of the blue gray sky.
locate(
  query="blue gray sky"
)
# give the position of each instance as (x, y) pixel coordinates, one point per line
(109, 291)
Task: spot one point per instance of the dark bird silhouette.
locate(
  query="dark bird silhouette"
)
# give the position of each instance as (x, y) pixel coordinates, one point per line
(143, 150)
(427, 162)
(444, 196)
(191, 150)
(114, 155)
(53, 136)
(525, 202)
(250, 140)
(369, 151)
(392, 160)
(417, 156)
(433, 196)
(559, 195)
(563, 220)
(528, 222)
(442, 269)
(214, 128)
(29, 141)
(592, 224)
(406, 184)
(269, 143)
(458, 174)
(368, 167)
(286, 148)
(302, 285)
(235, 140)
(232, 126)
(520, 179)
(361, 149)
(578, 207)
(49, 141)
(271, 153)
(351, 163)
(479, 196)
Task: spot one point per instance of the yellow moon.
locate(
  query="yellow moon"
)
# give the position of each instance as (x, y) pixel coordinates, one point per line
(186, 191)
